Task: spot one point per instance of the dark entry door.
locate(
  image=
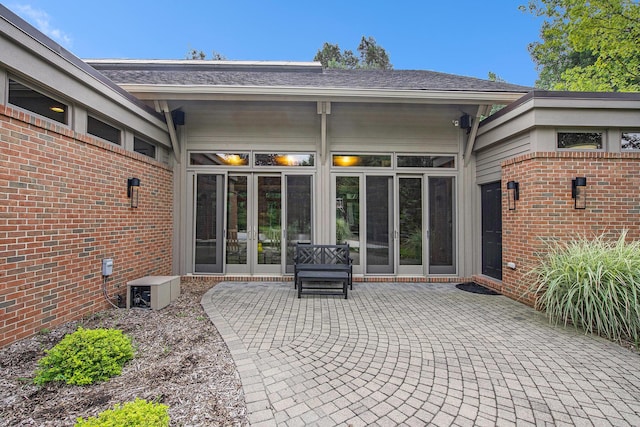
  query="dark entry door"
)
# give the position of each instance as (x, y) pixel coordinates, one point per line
(492, 230)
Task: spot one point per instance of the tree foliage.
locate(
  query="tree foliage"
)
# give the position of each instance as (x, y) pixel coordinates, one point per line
(587, 45)
(198, 54)
(371, 56)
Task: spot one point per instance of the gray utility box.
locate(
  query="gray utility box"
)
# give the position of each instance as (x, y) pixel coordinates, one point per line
(154, 292)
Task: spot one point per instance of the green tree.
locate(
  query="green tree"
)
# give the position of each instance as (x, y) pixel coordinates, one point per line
(198, 54)
(587, 45)
(372, 56)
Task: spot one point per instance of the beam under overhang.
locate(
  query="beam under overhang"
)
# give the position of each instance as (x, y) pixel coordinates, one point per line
(483, 110)
(324, 108)
(163, 107)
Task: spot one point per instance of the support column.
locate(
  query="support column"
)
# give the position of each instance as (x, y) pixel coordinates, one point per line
(323, 198)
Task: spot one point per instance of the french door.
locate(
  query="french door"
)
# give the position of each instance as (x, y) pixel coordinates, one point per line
(254, 228)
(396, 224)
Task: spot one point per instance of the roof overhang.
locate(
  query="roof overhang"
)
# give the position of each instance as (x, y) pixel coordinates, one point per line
(281, 93)
(544, 109)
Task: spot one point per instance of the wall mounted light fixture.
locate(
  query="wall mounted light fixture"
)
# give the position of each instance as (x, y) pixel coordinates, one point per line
(579, 192)
(133, 185)
(513, 194)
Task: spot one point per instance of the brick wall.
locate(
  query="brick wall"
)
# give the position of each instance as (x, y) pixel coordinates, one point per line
(63, 208)
(546, 211)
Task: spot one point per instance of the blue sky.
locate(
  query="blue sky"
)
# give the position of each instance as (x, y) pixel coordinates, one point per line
(465, 37)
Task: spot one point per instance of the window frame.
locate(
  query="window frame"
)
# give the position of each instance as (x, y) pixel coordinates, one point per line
(629, 131)
(45, 94)
(137, 138)
(91, 115)
(453, 156)
(603, 139)
(351, 156)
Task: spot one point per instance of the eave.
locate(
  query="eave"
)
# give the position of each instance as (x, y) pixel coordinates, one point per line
(313, 94)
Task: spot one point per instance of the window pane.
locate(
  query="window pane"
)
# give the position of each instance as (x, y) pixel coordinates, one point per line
(299, 211)
(143, 147)
(426, 162)
(103, 130)
(410, 201)
(217, 159)
(631, 141)
(362, 160)
(280, 159)
(29, 99)
(348, 214)
(580, 140)
(441, 226)
(209, 208)
(238, 230)
(379, 214)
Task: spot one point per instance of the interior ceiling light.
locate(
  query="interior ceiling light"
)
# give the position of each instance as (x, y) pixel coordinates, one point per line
(286, 160)
(57, 109)
(347, 160)
(233, 159)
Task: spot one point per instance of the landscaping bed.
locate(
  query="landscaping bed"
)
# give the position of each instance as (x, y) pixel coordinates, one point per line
(180, 360)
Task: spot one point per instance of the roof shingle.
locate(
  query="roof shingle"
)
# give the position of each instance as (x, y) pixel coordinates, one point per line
(228, 74)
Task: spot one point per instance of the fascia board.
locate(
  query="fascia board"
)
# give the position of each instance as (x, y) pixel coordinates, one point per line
(203, 92)
(587, 103)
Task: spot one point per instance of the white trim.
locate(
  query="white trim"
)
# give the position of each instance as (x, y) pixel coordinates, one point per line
(210, 92)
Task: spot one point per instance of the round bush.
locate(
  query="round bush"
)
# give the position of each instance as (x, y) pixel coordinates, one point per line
(85, 357)
(138, 413)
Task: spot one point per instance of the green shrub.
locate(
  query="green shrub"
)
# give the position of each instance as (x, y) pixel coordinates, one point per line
(343, 231)
(138, 413)
(594, 284)
(85, 356)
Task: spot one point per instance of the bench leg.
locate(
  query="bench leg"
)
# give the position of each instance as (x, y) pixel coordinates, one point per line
(300, 289)
(345, 287)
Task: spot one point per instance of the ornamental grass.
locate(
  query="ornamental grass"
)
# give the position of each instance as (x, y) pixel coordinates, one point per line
(593, 284)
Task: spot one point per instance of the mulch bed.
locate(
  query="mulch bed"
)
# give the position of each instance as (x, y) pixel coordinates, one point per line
(180, 361)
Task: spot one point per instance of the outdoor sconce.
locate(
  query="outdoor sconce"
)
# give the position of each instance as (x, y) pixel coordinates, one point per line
(513, 194)
(133, 185)
(579, 192)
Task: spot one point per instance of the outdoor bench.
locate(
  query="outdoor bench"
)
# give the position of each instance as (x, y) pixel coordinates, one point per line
(322, 263)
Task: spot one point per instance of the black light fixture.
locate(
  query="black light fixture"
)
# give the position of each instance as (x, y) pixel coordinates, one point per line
(513, 194)
(466, 122)
(133, 185)
(579, 192)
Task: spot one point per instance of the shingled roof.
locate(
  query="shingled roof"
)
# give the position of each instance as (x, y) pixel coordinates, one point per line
(300, 75)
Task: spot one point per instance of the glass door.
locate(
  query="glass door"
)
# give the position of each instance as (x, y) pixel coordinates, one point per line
(239, 224)
(208, 215)
(267, 234)
(410, 225)
(441, 226)
(299, 191)
(381, 234)
(348, 220)
(256, 242)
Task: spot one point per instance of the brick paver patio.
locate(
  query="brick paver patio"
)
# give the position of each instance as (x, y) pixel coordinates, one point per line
(416, 354)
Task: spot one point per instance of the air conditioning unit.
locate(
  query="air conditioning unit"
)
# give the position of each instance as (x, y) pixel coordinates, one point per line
(153, 292)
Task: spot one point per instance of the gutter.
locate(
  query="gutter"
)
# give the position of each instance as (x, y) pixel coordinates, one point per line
(211, 92)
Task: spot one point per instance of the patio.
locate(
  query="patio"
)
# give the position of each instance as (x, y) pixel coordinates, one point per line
(412, 354)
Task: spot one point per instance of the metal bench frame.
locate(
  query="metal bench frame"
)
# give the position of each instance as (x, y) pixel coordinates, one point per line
(322, 263)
